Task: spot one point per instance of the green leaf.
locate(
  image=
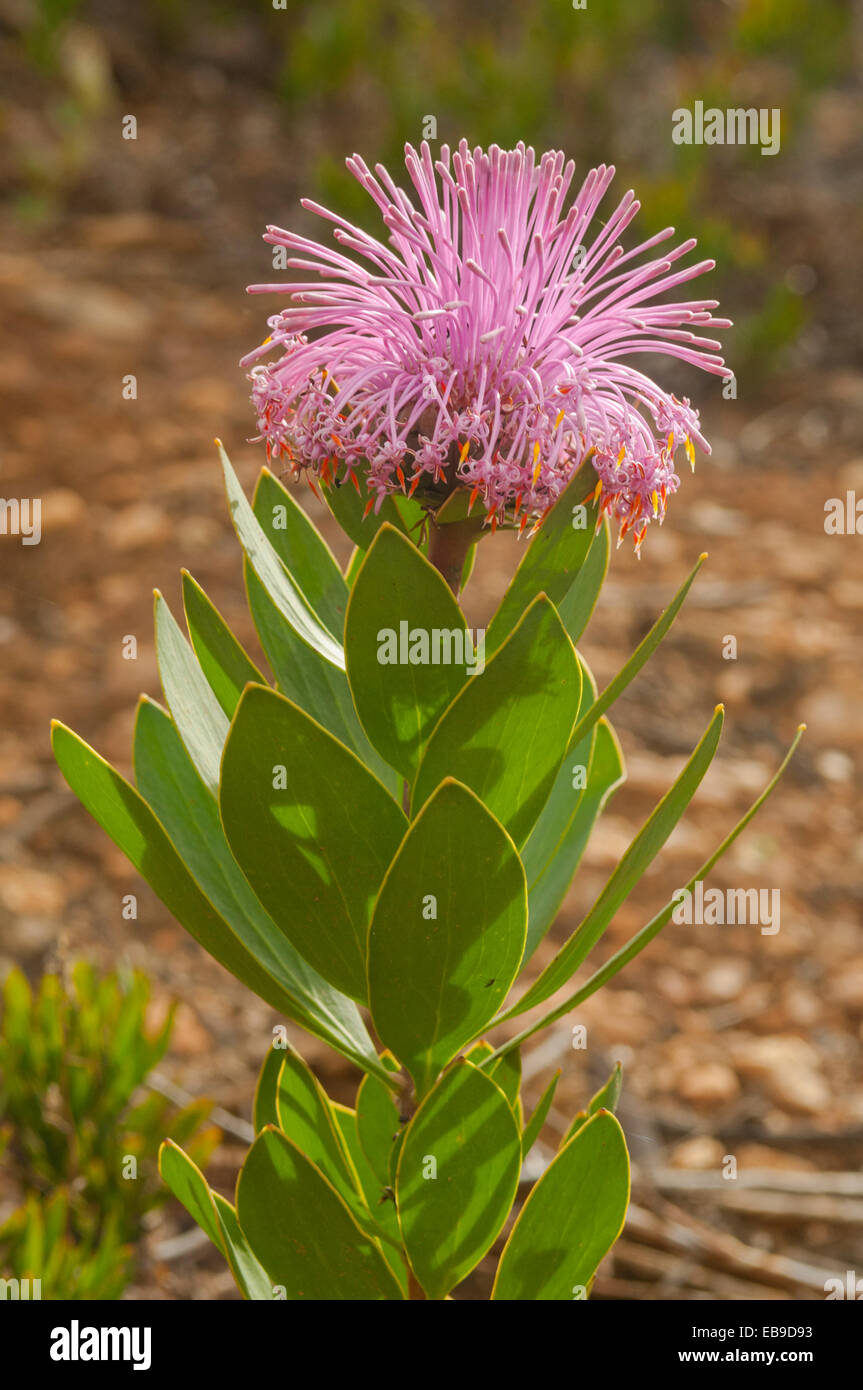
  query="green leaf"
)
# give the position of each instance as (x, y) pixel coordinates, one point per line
(347, 506)
(314, 846)
(412, 515)
(457, 1176)
(642, 938)
(570, 1220)
(532, 1129)
(553, 852)
(505, 733)
(223, 661)
(380, 1198)
(643, 651)
(288, 598)
(606, 1098)
(201, 722)
(467, 567)
(265, 1108)
(302, 550)
(127, 818)
(457, 507)
(395, 1155)
(553, 559)
(305, 1116)
(187, 812)
(377, 1126)
(506, 1071)
(447, 932)
(352, 568)
(318, 687)
(577, 605)
(191, 1188)
(397, 591)
(251, 1277)
(639, 856)
(301, 1231)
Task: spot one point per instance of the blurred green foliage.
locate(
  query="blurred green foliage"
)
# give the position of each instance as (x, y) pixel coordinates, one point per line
(586, 81)
(77, 1138)
(600, 82)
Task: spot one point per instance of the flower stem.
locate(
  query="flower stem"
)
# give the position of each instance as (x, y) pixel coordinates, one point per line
(448, 548)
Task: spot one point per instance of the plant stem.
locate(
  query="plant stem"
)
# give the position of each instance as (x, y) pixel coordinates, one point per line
(448, 548)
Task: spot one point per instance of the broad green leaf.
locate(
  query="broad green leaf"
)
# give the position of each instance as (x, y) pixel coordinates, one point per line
(447, 932)
(265, 1108)
(550, 875)
(312, 830)
(577, 605)
(352, 568)
(639, 856)
(302, 550)
(533, 1128)
(642, 938)
(457, 507)
(201, 722)
(380, 1198)
(553, 558)
(398, 592)
(191, 1188)
(395, 1155)
(377, 1125)
(172, 788)
(305, 1116)
(506, 1071)
(288, 598)
(643, 651)
(505, 733)
(479, 1052)
(223, 661)
(413, 518)
(457, 1176)
(301, 1231)
(251, 1277)
(131, 824)
(318, 687)
(348, 506)
(606, 1098)
(570, 1220)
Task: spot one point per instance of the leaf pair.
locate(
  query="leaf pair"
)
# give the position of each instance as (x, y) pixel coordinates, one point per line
(431, 707)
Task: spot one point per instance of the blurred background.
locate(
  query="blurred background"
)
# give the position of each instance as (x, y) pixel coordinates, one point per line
(127, 257)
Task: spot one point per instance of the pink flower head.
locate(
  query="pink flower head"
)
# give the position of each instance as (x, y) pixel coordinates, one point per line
(485, 346)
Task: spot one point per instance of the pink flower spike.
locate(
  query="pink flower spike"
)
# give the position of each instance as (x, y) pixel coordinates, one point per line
(485, 343)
